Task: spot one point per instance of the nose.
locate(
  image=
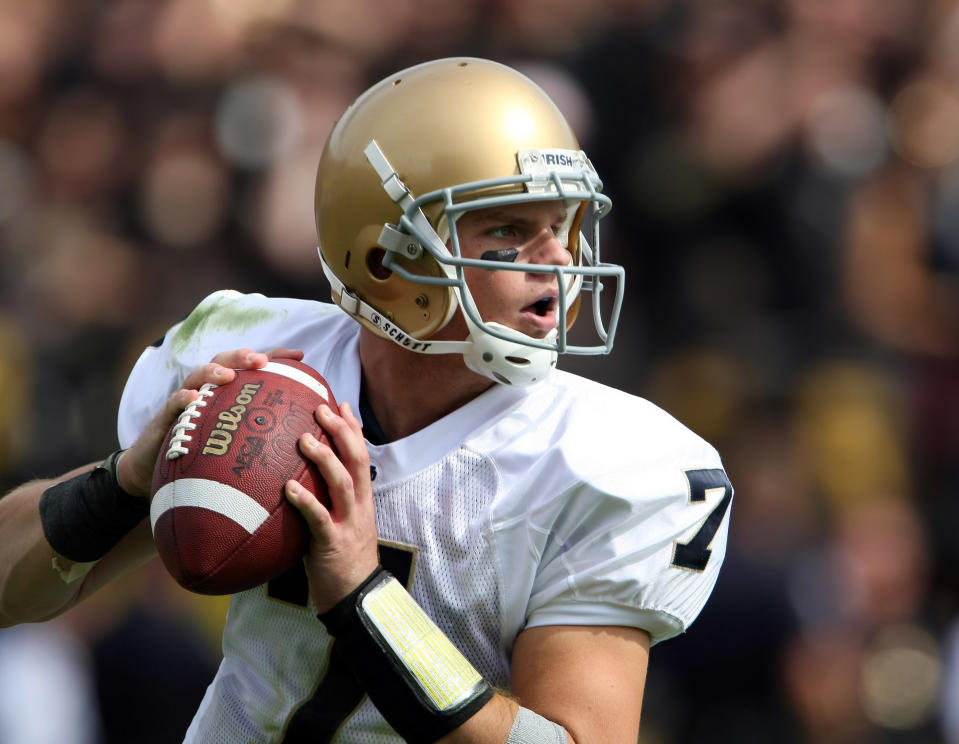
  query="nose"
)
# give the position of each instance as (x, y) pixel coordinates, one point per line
(547, 249)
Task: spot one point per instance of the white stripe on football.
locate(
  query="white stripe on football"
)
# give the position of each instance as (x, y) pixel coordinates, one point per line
(208, 494)
(297, 375)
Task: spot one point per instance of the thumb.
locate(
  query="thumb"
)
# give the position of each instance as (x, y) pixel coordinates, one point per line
(135, 469)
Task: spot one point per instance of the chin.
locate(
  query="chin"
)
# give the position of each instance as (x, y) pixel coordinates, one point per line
(538, 333)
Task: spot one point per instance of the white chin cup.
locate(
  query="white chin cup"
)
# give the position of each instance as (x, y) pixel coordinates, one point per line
(509, 362)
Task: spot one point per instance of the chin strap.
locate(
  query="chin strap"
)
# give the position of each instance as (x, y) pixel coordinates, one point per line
(356, 307)
(508, 362)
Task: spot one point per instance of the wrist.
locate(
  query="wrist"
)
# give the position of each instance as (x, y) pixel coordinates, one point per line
(121, 465)
(341, 615)
(417, 679)
(84, 517)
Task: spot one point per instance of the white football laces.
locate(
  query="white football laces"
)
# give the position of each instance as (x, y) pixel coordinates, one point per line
(186, 423)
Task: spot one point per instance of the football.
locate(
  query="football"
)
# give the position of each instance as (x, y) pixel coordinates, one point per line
(221, 521)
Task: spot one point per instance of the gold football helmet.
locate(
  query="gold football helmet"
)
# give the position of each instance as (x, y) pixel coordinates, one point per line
(411, 155)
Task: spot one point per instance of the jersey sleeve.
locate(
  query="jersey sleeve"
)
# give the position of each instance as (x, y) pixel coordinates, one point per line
(223, 321)
(639, 543)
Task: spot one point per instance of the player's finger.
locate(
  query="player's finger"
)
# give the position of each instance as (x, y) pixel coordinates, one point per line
(317, 516)
(222, 368)
(358, 455)
(339, 482)
(212, 372)
(142, 456)
(346, 411)
(281, 352)
(241, 359)
(347, 437)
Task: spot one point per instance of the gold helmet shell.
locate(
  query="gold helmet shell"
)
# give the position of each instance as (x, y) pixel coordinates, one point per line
(440, 124)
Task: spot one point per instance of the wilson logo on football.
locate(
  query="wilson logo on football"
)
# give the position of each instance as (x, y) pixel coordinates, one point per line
(219, 440)
(218, 443)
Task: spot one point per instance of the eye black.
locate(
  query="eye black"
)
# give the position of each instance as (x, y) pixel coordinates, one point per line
(507, 255)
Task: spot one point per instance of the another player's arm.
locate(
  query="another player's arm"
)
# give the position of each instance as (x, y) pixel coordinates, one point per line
(30, 588)
(39, 581)
(36, 581)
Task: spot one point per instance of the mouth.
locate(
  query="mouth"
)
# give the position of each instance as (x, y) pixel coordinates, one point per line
(542, 313)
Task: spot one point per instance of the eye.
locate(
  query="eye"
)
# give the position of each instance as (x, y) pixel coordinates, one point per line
(503, 231)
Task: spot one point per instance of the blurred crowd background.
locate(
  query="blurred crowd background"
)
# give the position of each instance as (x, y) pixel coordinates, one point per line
(785, 178)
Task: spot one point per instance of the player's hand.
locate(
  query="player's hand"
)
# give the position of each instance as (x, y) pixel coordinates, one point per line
(135, 469)
(343, 551)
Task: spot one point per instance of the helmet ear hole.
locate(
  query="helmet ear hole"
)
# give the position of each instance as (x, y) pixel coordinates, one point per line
(374, 262)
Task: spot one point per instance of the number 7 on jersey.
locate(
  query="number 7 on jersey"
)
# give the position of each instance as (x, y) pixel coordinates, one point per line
(704, 484)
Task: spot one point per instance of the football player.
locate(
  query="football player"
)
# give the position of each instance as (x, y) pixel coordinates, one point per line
(504, 541)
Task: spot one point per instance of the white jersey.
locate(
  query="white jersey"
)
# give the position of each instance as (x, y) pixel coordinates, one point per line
(565, 503)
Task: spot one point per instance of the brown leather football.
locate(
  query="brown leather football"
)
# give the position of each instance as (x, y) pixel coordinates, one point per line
(221, 521)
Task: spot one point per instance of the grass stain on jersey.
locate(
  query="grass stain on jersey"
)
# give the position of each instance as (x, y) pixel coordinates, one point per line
(222, 314)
